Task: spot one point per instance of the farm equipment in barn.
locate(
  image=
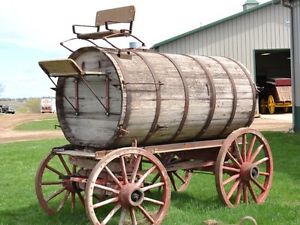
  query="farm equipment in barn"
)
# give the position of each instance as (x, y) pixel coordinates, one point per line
(140, 123)
(276, 93)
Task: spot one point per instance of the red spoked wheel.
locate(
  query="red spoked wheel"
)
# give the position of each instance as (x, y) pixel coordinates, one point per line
(131, 197)
(53, 185)
(180, 178)
(244, 168)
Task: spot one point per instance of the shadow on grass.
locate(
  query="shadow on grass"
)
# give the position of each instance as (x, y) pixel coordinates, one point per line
(33, 215)
(184, 200)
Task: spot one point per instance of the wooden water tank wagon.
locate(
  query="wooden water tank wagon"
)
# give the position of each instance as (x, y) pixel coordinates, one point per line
(140, 123)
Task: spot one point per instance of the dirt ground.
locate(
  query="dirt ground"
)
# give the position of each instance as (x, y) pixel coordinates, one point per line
(9, 121)
(277, 122)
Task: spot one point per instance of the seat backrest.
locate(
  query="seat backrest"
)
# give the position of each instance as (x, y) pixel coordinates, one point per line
(117, 15)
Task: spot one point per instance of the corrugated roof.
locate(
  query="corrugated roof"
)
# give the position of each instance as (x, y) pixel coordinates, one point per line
(234, 16)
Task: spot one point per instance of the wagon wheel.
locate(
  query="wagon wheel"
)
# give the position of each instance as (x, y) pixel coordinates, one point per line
(130, 200)
(244, 168)
(180, 178)
(263, 104)
(271, 104)
(53, 185)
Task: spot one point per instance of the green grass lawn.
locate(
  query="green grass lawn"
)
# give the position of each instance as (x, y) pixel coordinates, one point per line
(38, 125)
(18, 203)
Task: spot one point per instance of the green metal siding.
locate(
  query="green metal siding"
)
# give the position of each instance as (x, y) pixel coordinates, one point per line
(211, 25)
(266, 28)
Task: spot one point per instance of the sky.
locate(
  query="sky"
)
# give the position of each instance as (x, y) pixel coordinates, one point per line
(31, 30)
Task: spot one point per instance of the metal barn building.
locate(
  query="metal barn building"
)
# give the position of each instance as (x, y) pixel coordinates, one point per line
(258, 37)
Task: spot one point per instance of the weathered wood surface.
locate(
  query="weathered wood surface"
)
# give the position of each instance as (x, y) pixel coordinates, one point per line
(155, 99)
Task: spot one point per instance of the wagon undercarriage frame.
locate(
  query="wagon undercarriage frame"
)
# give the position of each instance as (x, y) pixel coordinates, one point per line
(135, 183)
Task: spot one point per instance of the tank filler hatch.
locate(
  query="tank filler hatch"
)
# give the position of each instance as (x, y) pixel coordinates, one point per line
(69, 68)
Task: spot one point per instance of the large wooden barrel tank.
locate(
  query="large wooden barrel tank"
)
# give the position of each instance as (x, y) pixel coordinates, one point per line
(154, 98)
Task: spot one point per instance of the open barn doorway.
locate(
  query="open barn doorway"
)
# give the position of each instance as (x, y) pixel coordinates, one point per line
(273, 77)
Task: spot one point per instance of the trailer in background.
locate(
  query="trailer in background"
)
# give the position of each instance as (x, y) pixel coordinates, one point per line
(48, 105)
(277, 93)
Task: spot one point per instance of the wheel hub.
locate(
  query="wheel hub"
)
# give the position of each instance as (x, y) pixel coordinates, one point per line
(131, 195)
(69, 184)
(249, 171)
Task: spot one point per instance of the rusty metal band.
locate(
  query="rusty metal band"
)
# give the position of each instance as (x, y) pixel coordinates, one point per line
(234, 100)
(158, 98)
(212, 96)
(128, 97)
(252, 113)
(186, 96)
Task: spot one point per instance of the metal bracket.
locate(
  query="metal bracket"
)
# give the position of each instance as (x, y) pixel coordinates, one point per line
(69, 68)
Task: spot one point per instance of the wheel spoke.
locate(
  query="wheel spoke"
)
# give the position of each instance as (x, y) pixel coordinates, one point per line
(252, 192)
(244, 146)
(136, 167)
(154, 201)
(73, 201)
(105, 202)
(265, 159)
(245, 194)
(237, 151)
(122, 216)
(56, 193)
(148, 172)
(179, 177)
(123, 167)
(155, 178)
(231, 169)
(255, 154)
(239, 194)
(258, 184)
(133, 216)
(74, 169)
(80, 198)
(264, 173)
(251, 145)
(146, 214)
(64, 164)
(111, 214)
(54, 171)
(233, 188)
(234, 177)
(172, 181)
(46, 183)
(63, 202)
(107, 188)
(113, 176)
(233, 159)
(152, 186)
